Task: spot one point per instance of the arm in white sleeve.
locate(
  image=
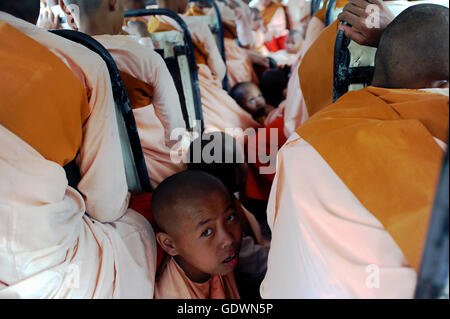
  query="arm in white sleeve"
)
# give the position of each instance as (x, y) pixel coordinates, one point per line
(103, 182)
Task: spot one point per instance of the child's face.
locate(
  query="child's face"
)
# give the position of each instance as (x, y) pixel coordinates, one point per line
(293, 44)
(209, 237)
(253, 100)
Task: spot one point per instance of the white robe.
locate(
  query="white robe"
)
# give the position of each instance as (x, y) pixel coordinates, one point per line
(55, 242)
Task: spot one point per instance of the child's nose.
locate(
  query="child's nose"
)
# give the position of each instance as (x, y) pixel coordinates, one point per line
(226, 239)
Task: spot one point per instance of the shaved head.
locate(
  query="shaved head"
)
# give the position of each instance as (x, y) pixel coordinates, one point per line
(134, 4)
(181, 196)
(94, 17)
(178, 6)
(86, 6)
(413, 52)
(220, 155)
(25, 9)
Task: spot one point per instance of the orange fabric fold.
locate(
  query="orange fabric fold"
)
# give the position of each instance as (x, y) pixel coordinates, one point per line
(43, 102)
(269, 11)
(316, 71)
(390, 133)
(229, 31)
(139, 92)
(154, 25)
(194, 11)
(173, 283)
(320, 14)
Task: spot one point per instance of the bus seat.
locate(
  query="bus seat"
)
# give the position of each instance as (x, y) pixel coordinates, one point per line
(332, 12)
(135, 168)
(178, 52)
(353, 65)
(316, 5)
(433, 277)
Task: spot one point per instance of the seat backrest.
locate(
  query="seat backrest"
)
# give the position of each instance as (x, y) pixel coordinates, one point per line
(331, 12)
(135, 168)
(353, 65)
(316, 5)
(433, 277)
(178, 52)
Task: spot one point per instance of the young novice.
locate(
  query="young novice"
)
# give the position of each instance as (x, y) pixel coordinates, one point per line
(220, 155)
(199, 229)
(249, 97)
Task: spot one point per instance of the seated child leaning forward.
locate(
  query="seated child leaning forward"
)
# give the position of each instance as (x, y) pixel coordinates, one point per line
(199, 228)
(249, 97)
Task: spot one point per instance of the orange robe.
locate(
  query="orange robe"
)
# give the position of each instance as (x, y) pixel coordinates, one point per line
(174, 284)
(353, 194)
(315, 88)
(57, 242)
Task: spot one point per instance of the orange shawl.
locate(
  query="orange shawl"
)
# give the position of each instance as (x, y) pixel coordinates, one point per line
(139, 92)
(380, 144)
(269, 11)
(316, 71)
(43, 102)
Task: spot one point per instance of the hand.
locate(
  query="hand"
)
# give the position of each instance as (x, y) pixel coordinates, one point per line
(47, 19)
(368, 22)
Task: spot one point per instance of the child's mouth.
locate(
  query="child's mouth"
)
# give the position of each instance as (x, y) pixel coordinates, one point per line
(232, 260)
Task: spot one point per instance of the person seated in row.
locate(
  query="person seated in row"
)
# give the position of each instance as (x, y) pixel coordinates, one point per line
(149, 84)
(220, 111)
(250, 98)
(239, 65)
(201, 236)
(57, 241)
(311, 87)
(266, 142)
(275, 21)
(355, 184)
(220, 155)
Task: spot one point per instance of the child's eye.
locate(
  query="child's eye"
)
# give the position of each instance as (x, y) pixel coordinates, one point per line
(207, 232)
(231, 218)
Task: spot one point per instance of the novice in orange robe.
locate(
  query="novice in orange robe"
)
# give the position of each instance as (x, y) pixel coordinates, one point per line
(275, 20)
(149, 85)
(202, 236)
(58, 107)
(355, 184)
(239, 65)
(220, 111)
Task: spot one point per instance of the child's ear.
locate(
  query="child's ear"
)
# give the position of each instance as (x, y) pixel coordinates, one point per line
(113, 5)
(166, 243)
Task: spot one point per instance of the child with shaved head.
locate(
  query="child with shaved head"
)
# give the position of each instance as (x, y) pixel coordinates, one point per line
(220, 155)
(249, 96)
(199, 229)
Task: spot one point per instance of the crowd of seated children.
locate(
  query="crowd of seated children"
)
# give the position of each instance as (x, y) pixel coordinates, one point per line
(210, 244)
